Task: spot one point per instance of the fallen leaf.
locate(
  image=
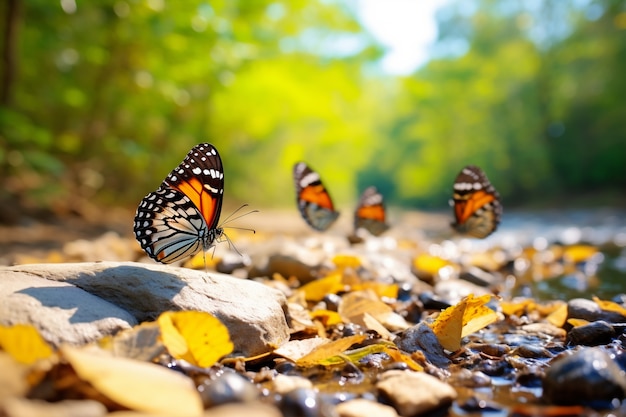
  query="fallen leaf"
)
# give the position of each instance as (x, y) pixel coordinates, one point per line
(142, 342)
(195, 336)
(579, 253)
(468, 316)
(577, 322)
(327, 317)
(429, 264)
(346, 261)
(320, 288)
(296, 349)
(141, 386)
(380, 288)
(610, 306)
(328, 350)
(557, 317)
(517, 307)
(24, 343)
(398, 356)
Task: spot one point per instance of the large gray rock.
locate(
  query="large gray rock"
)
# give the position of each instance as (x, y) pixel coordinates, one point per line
(60, 312)
(254, 313)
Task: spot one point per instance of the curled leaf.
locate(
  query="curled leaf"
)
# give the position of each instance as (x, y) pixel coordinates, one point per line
(24, 343)
(318, 289)
(195, 336)
(141, 386)
(323, 352)
(468, 316)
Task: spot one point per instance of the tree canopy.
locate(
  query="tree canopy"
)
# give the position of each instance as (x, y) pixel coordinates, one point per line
(100, 100)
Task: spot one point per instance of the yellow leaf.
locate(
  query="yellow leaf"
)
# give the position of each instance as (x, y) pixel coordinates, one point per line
(380, 288)
(579, 253)
(429, 264)
(328, 350)
(141, 342)
(577, 322)
(327, 317)
(140, 386)
(398, 356)
(195, 336)
(354, 355)
(468, 316)
(318, 289)
(24, 343)
(610, 306)
(296, 349)
(346, 261)
(557, 317)
(517, 308)
(353, 305)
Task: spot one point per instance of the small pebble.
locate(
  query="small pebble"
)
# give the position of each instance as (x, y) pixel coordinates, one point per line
(592, 334)
(587, 377)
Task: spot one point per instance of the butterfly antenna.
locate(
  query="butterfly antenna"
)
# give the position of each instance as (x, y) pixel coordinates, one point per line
(230, 217)
(231, 245)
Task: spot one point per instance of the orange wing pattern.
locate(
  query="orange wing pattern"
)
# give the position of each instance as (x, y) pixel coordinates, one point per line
(312, 198)
(370, 213)
(477, 207)
(180, 218)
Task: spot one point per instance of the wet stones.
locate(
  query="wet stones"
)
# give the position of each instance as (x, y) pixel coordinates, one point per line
(421, 337)
(581, 308)
(592, 334)
(588, 377)
(413, 393)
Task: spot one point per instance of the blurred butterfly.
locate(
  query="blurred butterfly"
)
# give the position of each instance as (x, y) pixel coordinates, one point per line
(476, 202)
(180, 218)
(370, 213)
(314, 202)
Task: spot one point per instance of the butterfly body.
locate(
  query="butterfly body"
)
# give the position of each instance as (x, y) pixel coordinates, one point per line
(181, 217)
(314, 202)
(370, 213)
(477, 207)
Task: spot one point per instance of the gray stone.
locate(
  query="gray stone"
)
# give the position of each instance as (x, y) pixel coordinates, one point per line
(413, 393)
(253, 312)
(61, 312)
(581, 308)
(421, 337)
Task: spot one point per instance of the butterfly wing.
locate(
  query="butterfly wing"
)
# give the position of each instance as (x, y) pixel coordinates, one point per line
(180, 218)
(314, 202)
(477, 207)
(168, 226)
(370, 213)
(201, 178)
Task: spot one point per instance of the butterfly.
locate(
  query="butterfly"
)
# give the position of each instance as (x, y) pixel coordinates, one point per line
(477, 207)
(181, 217)
(314, 202)
(370, 213)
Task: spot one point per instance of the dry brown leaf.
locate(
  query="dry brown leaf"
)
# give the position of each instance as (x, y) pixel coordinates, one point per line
(140, 386)
(328, 350)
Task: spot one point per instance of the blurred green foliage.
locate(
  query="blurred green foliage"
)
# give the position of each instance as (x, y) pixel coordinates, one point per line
(101, 99)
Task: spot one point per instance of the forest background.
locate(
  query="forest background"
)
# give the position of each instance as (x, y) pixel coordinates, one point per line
(99, 100)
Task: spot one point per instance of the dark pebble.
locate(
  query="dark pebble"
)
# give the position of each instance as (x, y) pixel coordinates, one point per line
(230, 387)
(302, 402)
(592, 334)
(421, 337)
(581, 308)
(431, 301)
(588, 377)
(332, 301)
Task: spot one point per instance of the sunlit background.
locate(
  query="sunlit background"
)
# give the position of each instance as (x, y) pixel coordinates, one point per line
(101, 99)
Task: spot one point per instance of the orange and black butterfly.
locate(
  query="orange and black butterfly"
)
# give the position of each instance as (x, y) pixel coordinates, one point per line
(181, 217)
(314, 202)
(477, 207)
(370, 213)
